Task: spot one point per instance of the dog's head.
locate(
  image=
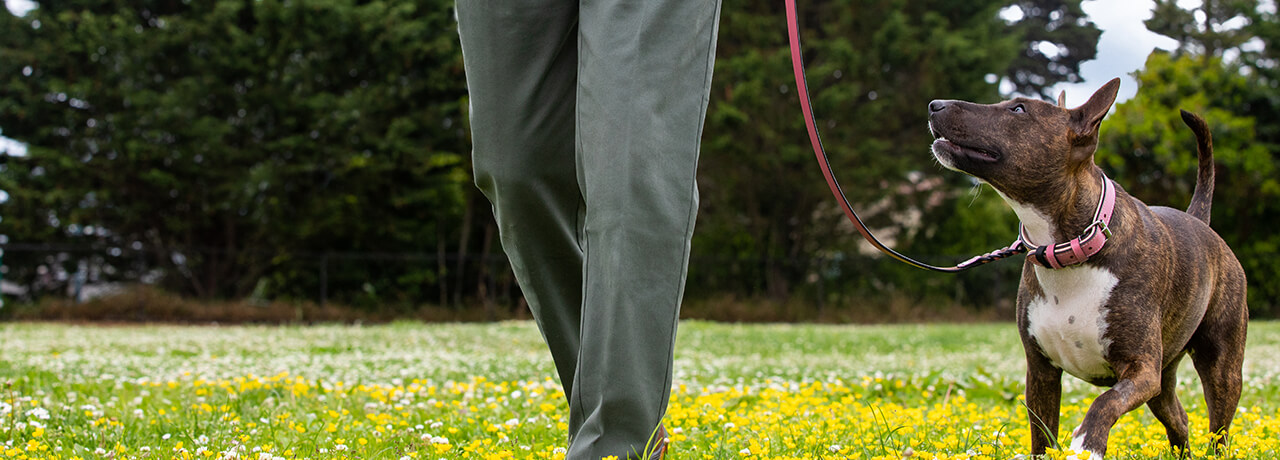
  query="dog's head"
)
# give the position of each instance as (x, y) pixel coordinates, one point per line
(1022, 147)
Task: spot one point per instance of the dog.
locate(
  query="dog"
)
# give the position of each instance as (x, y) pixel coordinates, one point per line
(1113, 291)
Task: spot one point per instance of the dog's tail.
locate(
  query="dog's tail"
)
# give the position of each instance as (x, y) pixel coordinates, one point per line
(1202, 197)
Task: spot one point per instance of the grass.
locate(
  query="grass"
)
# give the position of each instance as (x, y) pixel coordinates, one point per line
(409, 390)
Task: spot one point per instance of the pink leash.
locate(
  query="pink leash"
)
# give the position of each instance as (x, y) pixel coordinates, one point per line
(1057, 256)
(797, 64)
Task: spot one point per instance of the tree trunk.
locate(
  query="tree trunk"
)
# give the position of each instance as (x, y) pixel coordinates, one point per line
(464, 241)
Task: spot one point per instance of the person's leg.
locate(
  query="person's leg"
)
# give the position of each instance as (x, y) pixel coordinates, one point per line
(521, 62)
(644, 77)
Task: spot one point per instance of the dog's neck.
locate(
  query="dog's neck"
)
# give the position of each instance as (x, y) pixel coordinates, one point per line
(1063, 211)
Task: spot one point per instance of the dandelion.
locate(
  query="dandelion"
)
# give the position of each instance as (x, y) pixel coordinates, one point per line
(429, 406)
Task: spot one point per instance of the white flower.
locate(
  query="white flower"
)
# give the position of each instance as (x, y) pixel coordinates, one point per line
(39, 412)
(834, 448)
(340, 447)
(745, 451)
(439, 440)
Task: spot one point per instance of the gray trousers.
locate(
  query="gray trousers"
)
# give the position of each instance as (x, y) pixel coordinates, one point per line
(586, 120)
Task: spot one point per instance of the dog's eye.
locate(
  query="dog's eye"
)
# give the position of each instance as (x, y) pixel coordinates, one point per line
(1018, 109)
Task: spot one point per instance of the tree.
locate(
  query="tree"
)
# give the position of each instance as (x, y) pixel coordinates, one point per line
(237, 141)
(768, 224)
(241, 145)
(1209, 37)
(1057, 37)
(1145, 144)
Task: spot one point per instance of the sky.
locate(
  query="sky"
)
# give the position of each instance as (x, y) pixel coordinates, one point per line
(1122, 49)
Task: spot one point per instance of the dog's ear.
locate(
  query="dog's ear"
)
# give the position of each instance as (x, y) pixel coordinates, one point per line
(1086, 118)
(1062, 99)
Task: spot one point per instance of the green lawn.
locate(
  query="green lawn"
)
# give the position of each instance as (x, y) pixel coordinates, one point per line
(411, 390)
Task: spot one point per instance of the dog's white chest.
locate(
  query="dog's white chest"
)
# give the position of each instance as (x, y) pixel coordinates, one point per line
(1069, 321)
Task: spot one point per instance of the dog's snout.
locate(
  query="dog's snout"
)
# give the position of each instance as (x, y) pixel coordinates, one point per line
(937, 106)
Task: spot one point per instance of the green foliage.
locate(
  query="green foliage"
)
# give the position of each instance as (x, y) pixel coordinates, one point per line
(1061, 23)
(277, 149)
(1210, 37)
(236, 139)
(768, 221)
(1149, 150)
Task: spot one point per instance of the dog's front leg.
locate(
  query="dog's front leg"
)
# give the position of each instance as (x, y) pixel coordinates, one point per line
(1138, 382)
(1044, 396)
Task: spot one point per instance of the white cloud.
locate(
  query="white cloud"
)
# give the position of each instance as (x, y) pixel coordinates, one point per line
(12, 147)
(19, 7)
(1122, 49)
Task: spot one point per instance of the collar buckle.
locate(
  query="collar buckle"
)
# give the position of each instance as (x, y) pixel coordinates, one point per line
(1102, 226)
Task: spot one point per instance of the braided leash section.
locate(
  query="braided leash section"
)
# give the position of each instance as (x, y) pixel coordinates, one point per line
(1016, 248)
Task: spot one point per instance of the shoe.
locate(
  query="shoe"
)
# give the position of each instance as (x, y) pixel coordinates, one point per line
(659, 443)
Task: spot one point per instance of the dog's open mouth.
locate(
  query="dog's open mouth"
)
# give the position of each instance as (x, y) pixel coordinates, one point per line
(946, 146)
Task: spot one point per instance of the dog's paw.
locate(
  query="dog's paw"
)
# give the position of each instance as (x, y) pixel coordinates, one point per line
(1078, 452)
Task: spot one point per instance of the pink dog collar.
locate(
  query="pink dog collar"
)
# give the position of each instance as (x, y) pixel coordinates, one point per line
(1082, 247)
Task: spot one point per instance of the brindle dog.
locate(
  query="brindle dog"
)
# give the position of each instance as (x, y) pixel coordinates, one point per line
(1163, 284)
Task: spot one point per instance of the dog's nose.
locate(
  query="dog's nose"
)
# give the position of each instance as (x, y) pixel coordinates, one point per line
(937, 106)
